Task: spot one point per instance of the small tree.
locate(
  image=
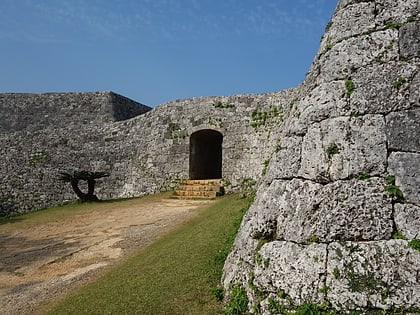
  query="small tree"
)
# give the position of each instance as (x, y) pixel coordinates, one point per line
(76, 176)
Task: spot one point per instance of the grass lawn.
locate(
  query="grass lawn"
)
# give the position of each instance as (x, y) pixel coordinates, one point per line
(174, 275)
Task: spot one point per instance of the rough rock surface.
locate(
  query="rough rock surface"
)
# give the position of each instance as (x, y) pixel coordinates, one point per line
(336, 216)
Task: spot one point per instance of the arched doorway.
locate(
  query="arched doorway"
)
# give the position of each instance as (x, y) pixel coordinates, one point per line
(206, 154)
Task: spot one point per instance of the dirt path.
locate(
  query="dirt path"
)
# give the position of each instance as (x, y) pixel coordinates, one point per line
(41, 263)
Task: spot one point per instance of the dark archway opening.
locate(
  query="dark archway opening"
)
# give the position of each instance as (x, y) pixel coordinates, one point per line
(206, 154)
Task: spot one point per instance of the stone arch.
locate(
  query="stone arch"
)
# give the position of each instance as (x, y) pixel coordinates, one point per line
(206, 154)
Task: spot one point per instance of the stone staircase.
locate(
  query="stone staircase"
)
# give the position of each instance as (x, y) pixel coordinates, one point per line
(199, 189)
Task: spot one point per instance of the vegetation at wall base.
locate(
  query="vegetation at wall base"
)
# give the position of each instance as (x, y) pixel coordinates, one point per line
(178, 274)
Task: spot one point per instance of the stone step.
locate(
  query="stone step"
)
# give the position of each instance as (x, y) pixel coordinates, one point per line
(197, 182)
(199, 189)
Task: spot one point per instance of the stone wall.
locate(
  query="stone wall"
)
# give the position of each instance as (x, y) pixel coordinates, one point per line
(30, 111)
(48, 133)
(337, 211)
(42, 134)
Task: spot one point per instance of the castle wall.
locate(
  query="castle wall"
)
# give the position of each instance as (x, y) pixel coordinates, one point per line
(31, 111)
(145, 154)
(328, 220)
(42, 134)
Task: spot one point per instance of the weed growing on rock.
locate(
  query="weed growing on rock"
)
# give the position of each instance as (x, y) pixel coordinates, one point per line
(327, 28)
(325, 289)
(393, 25)
(258, 259)
(328, 47)
(398, 236)
(399, 82)
(363, 176)
(396, 25)
(293, 102)
(258, 292)
(261, 118)
(216, 122)
(350, 87)
(275, 307)
(365, 283)
(175, 131)
(336, 273)
(261, 241)
(333, 149)
(309, 308)
(415, 244)
(38, 159)
(238, 303)
(265, 164)
(247, 188)
(393, 189)
(314, 239)
(219, 104)
(226, 182)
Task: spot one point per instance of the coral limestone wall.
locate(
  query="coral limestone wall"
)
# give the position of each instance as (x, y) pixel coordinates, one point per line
(42, 134)
(336, 217)
(48, 133)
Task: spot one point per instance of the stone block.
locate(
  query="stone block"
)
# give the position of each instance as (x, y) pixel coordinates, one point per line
(405, 167)
(409, 40)
(407, 220)
(403, 131)
(302, 211)
(414, 90)
(344, 147)
(297, 270)
(286, 160)
(357, 18)
(382, 88)
(376, 274)
(343, 58)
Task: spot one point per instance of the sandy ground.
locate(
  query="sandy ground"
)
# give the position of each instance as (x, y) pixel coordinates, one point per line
(42, 263)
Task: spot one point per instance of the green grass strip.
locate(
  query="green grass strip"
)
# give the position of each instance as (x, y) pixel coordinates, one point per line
(173, 275)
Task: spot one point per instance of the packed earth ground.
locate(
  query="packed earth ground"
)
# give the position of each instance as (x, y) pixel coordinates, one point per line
(42, 260)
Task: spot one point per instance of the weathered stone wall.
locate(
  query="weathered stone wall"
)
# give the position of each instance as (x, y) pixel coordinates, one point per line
(42, 134)
(30, 111)
(145, 154)
(161, 138)
(324, 224)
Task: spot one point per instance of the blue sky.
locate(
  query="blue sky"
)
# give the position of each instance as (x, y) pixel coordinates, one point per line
(155, 51)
